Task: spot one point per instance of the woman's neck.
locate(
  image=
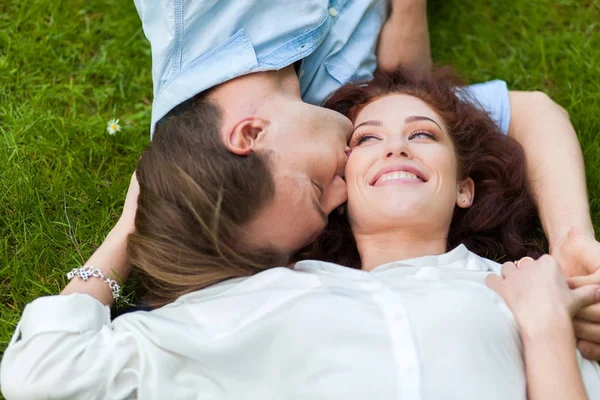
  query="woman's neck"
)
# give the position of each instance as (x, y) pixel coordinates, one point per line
(383, 247)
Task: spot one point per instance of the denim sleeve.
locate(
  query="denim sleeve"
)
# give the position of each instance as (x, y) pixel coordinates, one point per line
(493, 98)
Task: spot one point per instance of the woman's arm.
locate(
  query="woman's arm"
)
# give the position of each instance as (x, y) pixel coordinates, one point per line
(111, 256)
(63, 346)
(550, 360)
(543, 305)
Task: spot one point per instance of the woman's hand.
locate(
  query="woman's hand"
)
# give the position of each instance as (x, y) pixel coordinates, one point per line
(111, 256)
(126, 222)
(539, 297)
(538, 294)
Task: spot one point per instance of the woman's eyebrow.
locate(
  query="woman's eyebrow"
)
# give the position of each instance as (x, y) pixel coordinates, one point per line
(370, 123)
(420, 118)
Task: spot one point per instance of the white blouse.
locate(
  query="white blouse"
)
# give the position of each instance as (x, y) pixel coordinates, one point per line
(426, 328)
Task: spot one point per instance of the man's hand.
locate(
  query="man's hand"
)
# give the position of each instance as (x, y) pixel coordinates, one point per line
(404, 38)
(587, 320)
(579, 257)
(578, 254)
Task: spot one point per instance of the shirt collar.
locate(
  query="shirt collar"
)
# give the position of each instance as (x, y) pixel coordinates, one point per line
(458, 258)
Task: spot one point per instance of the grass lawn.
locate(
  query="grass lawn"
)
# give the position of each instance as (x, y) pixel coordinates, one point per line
(67, 67)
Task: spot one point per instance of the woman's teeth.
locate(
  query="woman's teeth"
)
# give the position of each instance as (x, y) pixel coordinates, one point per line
(395, 175)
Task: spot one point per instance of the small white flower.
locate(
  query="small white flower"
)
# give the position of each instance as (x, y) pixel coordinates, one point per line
(113, 126)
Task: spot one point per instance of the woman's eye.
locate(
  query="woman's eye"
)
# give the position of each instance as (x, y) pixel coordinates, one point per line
(422, 134)
(363, 139)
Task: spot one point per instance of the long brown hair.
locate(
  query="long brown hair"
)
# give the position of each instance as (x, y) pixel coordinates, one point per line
(195, 197)
(502, 222)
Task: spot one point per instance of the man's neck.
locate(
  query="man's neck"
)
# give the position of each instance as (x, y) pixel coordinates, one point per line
(252, 93)
(395, 245)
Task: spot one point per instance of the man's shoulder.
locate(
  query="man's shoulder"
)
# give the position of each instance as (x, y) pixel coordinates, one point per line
(198, 45)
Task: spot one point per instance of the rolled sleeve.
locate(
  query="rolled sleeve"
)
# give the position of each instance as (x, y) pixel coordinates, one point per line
(73, 313)
(492, 97)
(65, 348)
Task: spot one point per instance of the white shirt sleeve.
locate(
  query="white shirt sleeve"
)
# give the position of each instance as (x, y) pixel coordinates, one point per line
(64, 347)
(590, 372)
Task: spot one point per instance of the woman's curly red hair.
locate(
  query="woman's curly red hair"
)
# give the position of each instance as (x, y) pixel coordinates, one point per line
(502, 223)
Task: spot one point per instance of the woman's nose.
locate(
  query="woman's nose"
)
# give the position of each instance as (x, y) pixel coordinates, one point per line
(397, 149)
(401, 153)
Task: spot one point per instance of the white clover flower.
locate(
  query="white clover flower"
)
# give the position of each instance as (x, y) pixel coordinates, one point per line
(113, 126)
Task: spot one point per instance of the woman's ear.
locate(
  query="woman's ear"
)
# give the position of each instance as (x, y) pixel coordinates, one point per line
(466, 193)
(241, 139)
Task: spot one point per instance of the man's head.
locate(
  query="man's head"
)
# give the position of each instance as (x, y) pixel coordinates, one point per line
(234, 182)
(303, 146)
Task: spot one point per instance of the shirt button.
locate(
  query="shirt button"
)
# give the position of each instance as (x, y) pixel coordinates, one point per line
(301, 74)
(333, 12)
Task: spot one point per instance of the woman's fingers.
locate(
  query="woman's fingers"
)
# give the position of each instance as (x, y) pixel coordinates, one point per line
(508, 268)
(524, 262)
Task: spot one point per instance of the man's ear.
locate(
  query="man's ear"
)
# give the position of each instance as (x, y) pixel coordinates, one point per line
(241, 139)
(466, 193)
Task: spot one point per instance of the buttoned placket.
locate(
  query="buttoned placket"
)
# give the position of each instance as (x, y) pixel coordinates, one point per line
(403, 341)
(334, 7)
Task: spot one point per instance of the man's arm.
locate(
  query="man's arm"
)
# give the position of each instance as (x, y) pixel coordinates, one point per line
(556, 178)
(404, 38)
(555, 169)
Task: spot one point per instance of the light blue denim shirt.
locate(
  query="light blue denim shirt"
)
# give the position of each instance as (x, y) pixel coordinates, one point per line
(197, 44)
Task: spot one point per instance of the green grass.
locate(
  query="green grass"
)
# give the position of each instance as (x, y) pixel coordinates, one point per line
(66, 68)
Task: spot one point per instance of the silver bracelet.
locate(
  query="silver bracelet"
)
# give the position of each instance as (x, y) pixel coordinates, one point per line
(87, 271)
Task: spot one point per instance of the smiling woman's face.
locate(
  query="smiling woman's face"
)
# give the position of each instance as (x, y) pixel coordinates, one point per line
(403, 168)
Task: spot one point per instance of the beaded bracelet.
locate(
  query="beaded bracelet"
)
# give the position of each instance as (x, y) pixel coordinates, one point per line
(87, 271)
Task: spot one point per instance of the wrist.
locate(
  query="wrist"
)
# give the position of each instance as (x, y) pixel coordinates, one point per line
(558, 237)
(120, 232)
(111, 257)
(410, 22)
(555, 324)
(400, 8)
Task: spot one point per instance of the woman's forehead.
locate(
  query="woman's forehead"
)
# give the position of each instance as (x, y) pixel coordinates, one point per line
(395, 108)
